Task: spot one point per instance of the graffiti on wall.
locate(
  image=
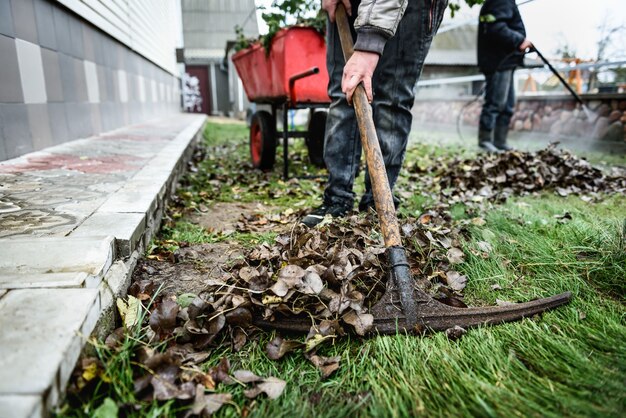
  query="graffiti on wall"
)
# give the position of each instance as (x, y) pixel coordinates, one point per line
(192, 98)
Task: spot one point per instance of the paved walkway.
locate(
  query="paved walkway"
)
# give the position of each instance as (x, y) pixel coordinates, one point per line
(73, 220)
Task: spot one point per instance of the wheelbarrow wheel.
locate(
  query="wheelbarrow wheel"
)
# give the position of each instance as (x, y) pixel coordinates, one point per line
(263, 140)
(315, 138)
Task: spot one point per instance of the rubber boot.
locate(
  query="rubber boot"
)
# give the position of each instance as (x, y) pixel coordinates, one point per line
(484, 141)
(499, 138)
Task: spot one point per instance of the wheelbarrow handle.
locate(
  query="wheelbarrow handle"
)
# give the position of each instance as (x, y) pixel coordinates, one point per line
(292, 83)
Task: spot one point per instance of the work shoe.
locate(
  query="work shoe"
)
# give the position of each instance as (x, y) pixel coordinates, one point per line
(488, 147)
(317, 215)
(499, 138)
(485, 142)
(365, 204)
(504, 147)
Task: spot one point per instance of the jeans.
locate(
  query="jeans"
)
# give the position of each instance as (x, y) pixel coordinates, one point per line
(393, 83)
(499, 100)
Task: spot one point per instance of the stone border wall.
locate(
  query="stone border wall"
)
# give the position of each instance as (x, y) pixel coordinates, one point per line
(555, 115)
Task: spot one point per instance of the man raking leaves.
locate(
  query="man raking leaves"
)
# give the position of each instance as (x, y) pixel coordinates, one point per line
(403, 307)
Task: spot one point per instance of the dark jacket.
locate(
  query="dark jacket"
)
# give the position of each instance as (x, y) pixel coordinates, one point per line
(500, 33)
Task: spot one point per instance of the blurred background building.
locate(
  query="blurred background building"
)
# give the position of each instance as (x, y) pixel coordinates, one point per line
(209, 31)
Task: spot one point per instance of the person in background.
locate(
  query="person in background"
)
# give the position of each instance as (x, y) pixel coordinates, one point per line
(392, 40)
(502, 43)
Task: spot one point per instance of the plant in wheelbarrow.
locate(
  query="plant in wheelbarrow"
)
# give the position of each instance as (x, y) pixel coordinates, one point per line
(284, 70)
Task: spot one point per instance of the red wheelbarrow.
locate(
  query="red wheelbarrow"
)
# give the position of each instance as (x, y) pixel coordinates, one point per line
(292, 76)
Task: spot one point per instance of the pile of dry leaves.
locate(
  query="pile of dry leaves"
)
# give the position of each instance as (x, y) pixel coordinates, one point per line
(176, 374)
(495, 178)
(337, 271)
(330, 275)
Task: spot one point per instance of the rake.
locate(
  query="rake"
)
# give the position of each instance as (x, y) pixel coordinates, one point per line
(403, 307)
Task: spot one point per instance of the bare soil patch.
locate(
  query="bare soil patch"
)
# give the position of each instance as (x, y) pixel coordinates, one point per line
(195, 267)
(224, 216)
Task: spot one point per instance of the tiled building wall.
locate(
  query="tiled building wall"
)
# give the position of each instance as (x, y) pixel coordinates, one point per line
(63, 79)
(150, 27)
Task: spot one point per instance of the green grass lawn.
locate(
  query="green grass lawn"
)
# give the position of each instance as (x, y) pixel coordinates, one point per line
(568, 362)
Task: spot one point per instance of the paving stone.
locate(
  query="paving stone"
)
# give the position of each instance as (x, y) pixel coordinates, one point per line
(48, 280)
(32, 255)
(127, 228)
(21, 406)
(42, 335)
(134, 197)
(115, 285)
(76, 347)
(3, 292)
(159, 170)
(116, 282)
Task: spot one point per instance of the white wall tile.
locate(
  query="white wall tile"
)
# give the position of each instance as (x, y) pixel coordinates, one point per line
(155, 92)
(31, 72)
(123, 85)
(175, 88)
(91, 76)
(142, 88)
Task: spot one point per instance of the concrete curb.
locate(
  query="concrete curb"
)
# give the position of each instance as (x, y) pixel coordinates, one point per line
(49, 305)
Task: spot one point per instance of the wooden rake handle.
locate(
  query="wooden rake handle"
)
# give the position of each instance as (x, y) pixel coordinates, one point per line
(383, 198)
